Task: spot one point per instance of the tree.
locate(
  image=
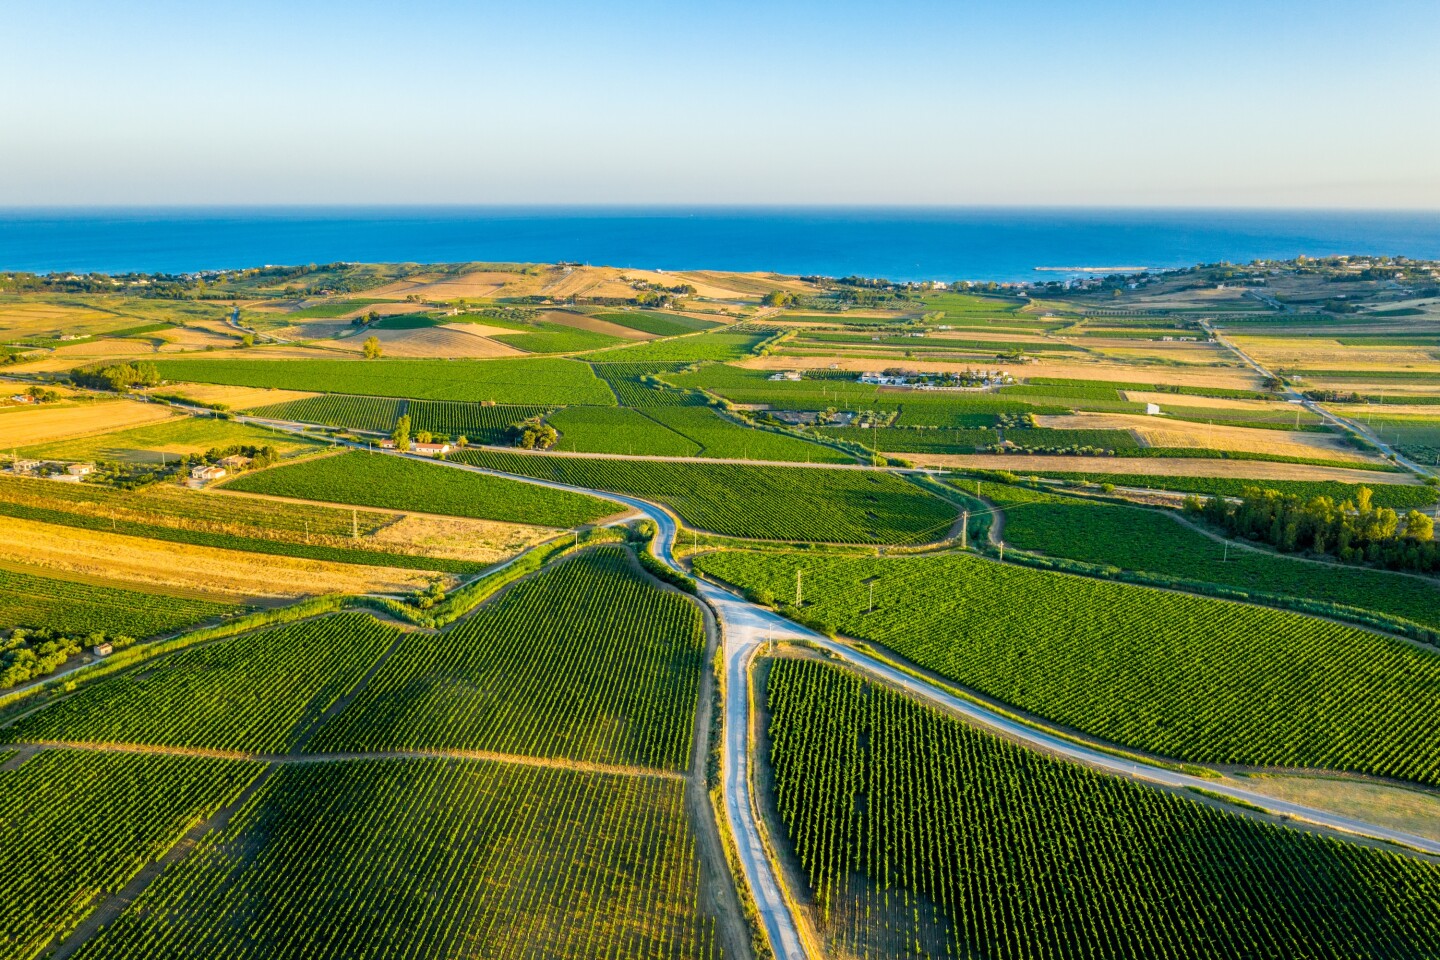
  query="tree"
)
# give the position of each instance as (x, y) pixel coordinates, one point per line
(373, 350)
(401, 435)
(1419, 527)
(248, 340)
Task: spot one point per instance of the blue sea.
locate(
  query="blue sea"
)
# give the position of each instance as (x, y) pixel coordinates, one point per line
(898, 244)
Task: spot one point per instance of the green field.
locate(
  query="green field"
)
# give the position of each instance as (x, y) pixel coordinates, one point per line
(431, 859)
(30, 599)
(1154, 541)
(521, 380)
(660, 324)
(476, 422)
(167, 440)
(716, 345)
(921, 835)
(928, 440)
(546, 337)
(1397, 496)
(398, 483)
(257, 692)
(586, 661)
(336, 410)
(1415, 437)
(75, 826)
(1187, 677)
(637, 384)
(722, 438)
(331, 309)
(618, 430)
(766, 503)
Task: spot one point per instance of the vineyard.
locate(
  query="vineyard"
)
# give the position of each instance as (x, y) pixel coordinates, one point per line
(399, 483)
(1188, 677)
(766, 503)
(521, 380)
(1135, 538)
(76, 826)
(920, 835)
(254, 693)
(660, 324)
(721, 438)
(477, 422)
(618, 430)
(430, 859)
(637, 384)
(927, 440)
(586, 661)
(335, 410)
(75, 607)
(716, 345)
(1399, 497)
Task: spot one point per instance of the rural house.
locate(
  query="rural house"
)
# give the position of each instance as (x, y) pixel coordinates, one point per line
(207, 471)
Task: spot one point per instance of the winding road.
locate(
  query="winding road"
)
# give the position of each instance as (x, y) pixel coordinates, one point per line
(747, 628)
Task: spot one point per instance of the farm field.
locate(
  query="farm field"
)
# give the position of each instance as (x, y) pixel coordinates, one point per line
(659, 324)
(168, 440)
(721, 438)
(396, 483)
(60, 802)
(766, 503)
(32, 599)
(618, 430)
(476, 422)
(716, 345)
(521, 380)
(586, 661)
(22, 426)
(639, 384)
(1182, 676)
(1153, 541)
(163, 511)
(433, 858)
(217, 574)
(916, 832)
(254, 693)
(1181, 473)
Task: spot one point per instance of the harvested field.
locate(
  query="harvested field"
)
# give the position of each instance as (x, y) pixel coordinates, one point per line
(32, 317)
(165, 440)
(21, 426)
(177, 339)
(471, 286)
(459, 538)
(1156, 467)
(1317, 354)
(451, 340)
(582, 321)
(234, 398)
(197, 570)
(1262, 408)
(1399, 808)
(1162, 432)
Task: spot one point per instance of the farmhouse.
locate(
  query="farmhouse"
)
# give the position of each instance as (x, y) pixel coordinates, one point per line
(235, 462)
(787, 375)
(102, 649)
(207, 471)
(431, 449)
(26, 468)
(80, 469)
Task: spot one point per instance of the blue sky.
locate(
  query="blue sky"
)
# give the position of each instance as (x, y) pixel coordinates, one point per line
(1314, 104)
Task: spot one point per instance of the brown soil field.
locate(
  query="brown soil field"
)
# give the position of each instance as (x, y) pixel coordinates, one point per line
(234, 398)
(1155, 467)
(28, 317)
(195, 338)
(22, 426)
(234, 573)
(1160, 432)
(478, 285)
(581, 321)
(450, 340)
(723, 285)
(455, 538)
(1316, 353)
(1235, 377)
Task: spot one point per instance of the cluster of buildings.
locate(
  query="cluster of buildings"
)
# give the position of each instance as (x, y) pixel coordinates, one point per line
(424, 449)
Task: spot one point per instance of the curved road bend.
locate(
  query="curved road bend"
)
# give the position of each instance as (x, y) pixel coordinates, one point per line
(747, 627)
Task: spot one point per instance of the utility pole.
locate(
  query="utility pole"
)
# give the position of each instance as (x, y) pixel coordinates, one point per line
(799, 594)
(1227, 552)
(964, 529)
(354, 524)
(307, 530)
(1001, 545)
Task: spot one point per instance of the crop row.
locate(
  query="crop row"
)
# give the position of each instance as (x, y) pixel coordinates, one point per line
(617, 430)
(1188, 677)
(522, 380)
(429, 859)
(477, 422)
(255, 693)
(72, 607)
(399, 483)
(660, 324)
(1397, 496)
(723, 439)
(715, 345)
(586, 661)
(639, 384)
(767, 503)
(1136, 538)
(77, 825)
(970, 845)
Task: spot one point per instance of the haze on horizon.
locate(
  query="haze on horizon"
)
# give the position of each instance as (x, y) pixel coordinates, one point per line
(1112, 103)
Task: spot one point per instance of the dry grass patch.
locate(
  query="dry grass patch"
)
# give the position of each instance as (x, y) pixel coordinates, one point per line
(22, 426)
(1162, 432)
(234, 398)
(1399, 808)
(177, 566)
(1191, 353)
(1155, 467)
(581, 321)
(457, 538)
(1317, 353)
(451, 340)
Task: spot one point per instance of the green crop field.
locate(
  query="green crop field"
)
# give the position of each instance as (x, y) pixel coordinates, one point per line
(256, 692)
(29, 599)
(766, 503)
(476, 422)
(1415, 437)
(398, 483)
(1136, 538)
(512, 380)
(546, 337)
(587, 661)
(430, 859)
(716, 345)
(618, 430)
(164, 511)
(635, 384)
(724, 439)
(1400, 497)
(167, 440)
(336, 410)
(920, 835)
(926, 440)
(660, 324)
(331, 309)
(75, 826)
(1188, 677)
